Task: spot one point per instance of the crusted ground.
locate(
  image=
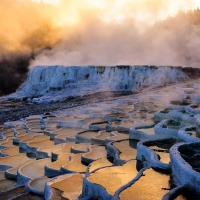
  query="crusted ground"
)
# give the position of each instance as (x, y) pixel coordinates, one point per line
(14, 110)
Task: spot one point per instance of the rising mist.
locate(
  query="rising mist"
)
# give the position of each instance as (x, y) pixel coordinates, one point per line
(106, 32)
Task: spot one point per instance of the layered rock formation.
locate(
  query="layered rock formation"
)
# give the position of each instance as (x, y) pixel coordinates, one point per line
(55, 83)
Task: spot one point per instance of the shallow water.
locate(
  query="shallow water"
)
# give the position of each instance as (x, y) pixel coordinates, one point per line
(67, 186)
(119, 136)
(164, 157)
(96, 152)
(102, 135)
(127, 149)
(76, 165)
(112, 178)
(99, 164)
(153, 185)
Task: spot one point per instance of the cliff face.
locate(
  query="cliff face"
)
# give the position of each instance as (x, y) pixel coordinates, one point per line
(53, 83)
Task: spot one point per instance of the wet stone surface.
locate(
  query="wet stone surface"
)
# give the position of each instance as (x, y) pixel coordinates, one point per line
(17, 108)
(84, 152)
(127, 149)
(112, 178)
(153, 185)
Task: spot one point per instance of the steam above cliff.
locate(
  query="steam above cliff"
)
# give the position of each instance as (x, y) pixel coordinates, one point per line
(91, 32)
(106, 32)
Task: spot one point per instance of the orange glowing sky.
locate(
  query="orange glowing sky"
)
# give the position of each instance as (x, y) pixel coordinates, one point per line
(79, 28)
(84, 32)
(144, 11)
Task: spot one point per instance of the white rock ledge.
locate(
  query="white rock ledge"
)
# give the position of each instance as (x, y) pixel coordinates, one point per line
(136, 134)
(149, 156)
(162, 130)
(183, 170)
(184, 134)
(46, 84)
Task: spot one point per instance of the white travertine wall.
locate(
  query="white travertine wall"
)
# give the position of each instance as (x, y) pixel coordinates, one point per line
(62, 81)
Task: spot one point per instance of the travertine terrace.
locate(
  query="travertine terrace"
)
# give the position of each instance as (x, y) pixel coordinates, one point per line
(139, 146)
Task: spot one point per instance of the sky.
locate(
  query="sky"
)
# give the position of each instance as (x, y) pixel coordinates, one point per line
(147, 11)
(89, 32)
(118, 10)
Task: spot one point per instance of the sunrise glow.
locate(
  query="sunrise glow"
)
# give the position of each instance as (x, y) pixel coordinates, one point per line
(145, 11)
(53, 2)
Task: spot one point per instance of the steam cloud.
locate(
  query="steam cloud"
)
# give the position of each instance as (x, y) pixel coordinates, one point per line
(107, 32)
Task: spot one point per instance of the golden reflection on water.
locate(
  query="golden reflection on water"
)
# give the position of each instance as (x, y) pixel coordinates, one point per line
(102, 135)
(119, 136)
(99, 163)
(180, 197)
(96, 152)
(76, 164)
(164, 157)
(112, 178)
(127, 149)
(152, 186)
(162, 149)
(71, 185)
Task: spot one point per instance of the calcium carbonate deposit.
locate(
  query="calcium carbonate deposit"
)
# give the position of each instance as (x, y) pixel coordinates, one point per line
(61, 137)
(55, 83)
